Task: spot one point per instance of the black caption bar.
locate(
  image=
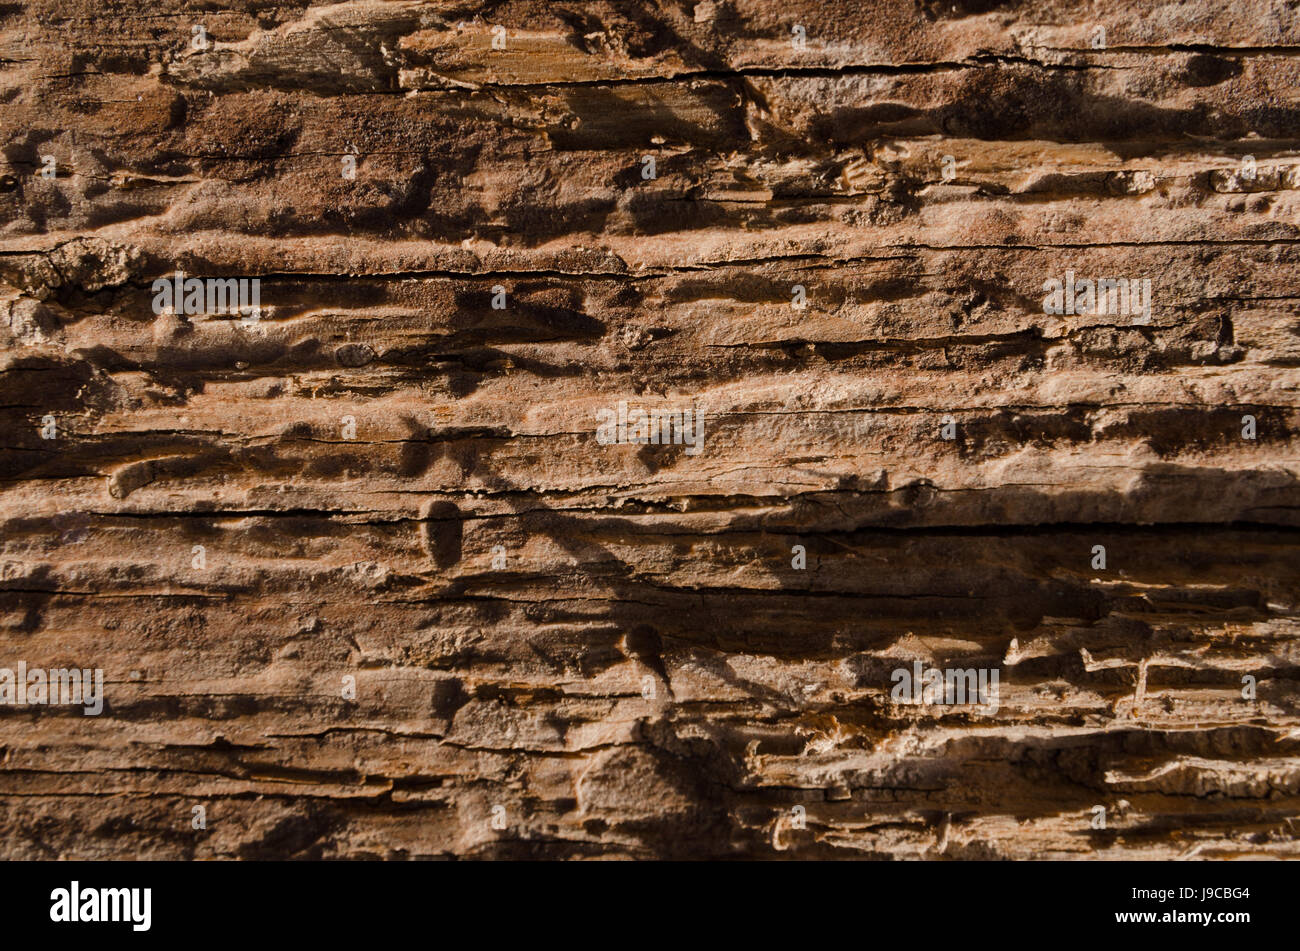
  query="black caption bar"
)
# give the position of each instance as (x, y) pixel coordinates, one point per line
(335, 901)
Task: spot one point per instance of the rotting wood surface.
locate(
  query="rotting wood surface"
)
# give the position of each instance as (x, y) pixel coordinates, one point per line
(360, 575)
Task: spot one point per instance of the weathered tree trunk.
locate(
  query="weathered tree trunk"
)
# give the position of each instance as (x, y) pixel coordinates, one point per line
(377, 566)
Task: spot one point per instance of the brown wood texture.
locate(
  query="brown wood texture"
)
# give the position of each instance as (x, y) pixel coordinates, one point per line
(562, 647)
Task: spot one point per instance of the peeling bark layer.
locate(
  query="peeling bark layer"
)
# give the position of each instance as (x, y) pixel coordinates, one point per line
(364, 582)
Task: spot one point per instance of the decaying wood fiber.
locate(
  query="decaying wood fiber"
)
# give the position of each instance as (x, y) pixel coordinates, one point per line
(365, 580)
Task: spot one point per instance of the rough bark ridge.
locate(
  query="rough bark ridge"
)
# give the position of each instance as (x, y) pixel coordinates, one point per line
(563, 647)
